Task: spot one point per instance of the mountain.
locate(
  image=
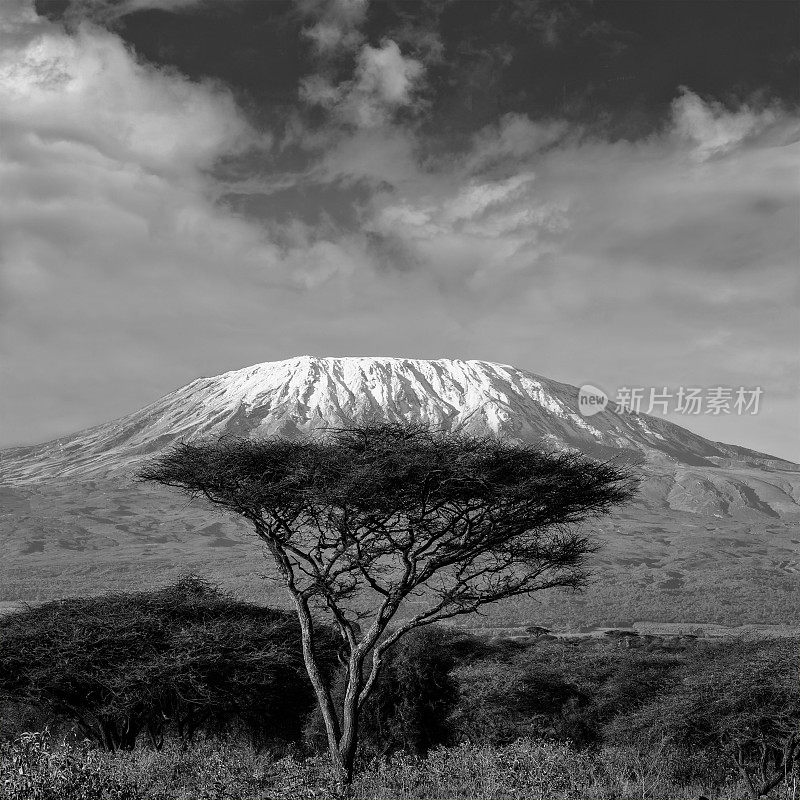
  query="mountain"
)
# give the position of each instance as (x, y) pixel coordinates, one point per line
(296, 396)
(69, 508)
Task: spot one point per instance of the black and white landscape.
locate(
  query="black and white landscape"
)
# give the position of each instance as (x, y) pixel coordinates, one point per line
(569, 226)
(711, 538)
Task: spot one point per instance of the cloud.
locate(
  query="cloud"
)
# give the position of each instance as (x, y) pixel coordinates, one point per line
(384, 77)
(107, 219)
(666, 261)
(577, 253)
(336, 29)
(571, 221)
(514, 137)
(18, 22)
(108, 12)
(84, 98)
(384, 82)
(472, 237)
(712, 129)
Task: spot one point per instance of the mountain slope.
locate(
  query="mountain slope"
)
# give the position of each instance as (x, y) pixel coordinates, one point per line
(712, 536)
(682, 470)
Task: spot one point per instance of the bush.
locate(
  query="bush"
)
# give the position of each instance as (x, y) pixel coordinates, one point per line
(412, 700)
(34, 767)
(524, 769)
(186, 658)
(556, 689)
(737, 705)
(31, 769)
(17, 718)
(413, 697)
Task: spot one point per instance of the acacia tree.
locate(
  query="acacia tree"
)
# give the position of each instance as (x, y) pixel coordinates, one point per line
(394, 523)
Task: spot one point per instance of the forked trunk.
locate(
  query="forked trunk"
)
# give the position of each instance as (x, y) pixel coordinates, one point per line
(348, 743)
(344, 775)
(342, 738)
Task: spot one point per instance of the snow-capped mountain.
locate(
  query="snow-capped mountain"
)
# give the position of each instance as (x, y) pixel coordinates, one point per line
(712, 534)
(298, 395)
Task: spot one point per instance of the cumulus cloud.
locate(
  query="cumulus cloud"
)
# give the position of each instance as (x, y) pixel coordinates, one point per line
(91, 138)
(85, 94)
(107, 219)
(514, 137)
(337, 24)
(379, 81)
(384, 82)
(473, 236)
(712, 129)
(650, 206)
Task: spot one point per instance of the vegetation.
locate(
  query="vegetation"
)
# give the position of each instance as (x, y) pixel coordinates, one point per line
(451, 716)
(36, 768)
(741, 701)
(70, 547)
(186, 692)
(181, 660)
(362, 521)
(412, 701)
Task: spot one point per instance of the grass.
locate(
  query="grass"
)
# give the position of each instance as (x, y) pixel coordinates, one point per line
(34, 767)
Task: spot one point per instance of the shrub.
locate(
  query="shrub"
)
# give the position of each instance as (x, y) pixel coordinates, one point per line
(31, 769)
(504, 699)
(411, 702)
(17, 718)
(524, 769)
(557, 689)
(185, 658)
(737, 703)
(413, 698)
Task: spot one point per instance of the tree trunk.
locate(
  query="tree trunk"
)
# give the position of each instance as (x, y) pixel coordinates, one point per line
(323, 693)
(342, 766)
(348, 744)
(109, 740)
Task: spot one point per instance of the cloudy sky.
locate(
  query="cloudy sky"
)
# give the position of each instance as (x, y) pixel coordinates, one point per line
(600, 192)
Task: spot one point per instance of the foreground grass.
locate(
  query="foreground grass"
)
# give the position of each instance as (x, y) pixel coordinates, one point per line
(35, 768)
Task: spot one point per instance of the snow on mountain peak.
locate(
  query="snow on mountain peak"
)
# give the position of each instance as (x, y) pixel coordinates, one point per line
(443, 392)
(298, 395)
